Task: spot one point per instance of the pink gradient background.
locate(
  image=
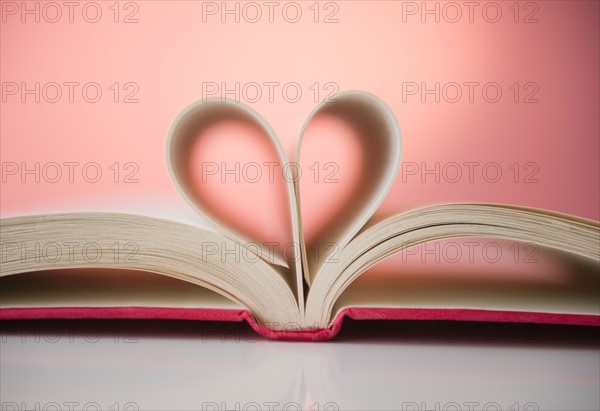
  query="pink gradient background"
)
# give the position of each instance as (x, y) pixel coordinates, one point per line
(170, 52)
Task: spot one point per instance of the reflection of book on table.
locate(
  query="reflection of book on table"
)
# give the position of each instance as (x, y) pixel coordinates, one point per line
(147, 267)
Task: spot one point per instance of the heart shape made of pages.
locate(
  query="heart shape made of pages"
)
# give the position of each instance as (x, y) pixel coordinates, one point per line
(369, 124)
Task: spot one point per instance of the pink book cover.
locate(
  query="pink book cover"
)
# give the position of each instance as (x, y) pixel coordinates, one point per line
(501, 111)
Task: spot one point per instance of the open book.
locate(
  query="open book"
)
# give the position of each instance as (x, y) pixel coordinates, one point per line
(136, 266)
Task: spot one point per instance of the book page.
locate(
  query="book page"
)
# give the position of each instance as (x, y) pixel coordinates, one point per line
(418, 230)
(106, 288)
(346, 190)
(481, 274)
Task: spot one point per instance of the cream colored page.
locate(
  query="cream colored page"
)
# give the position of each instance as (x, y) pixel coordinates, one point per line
(185, 132)
(372, 126)
(105, 288)
(398, 234)
(574, 292)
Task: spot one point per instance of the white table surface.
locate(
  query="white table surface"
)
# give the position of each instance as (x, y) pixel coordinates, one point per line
(371, 365)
